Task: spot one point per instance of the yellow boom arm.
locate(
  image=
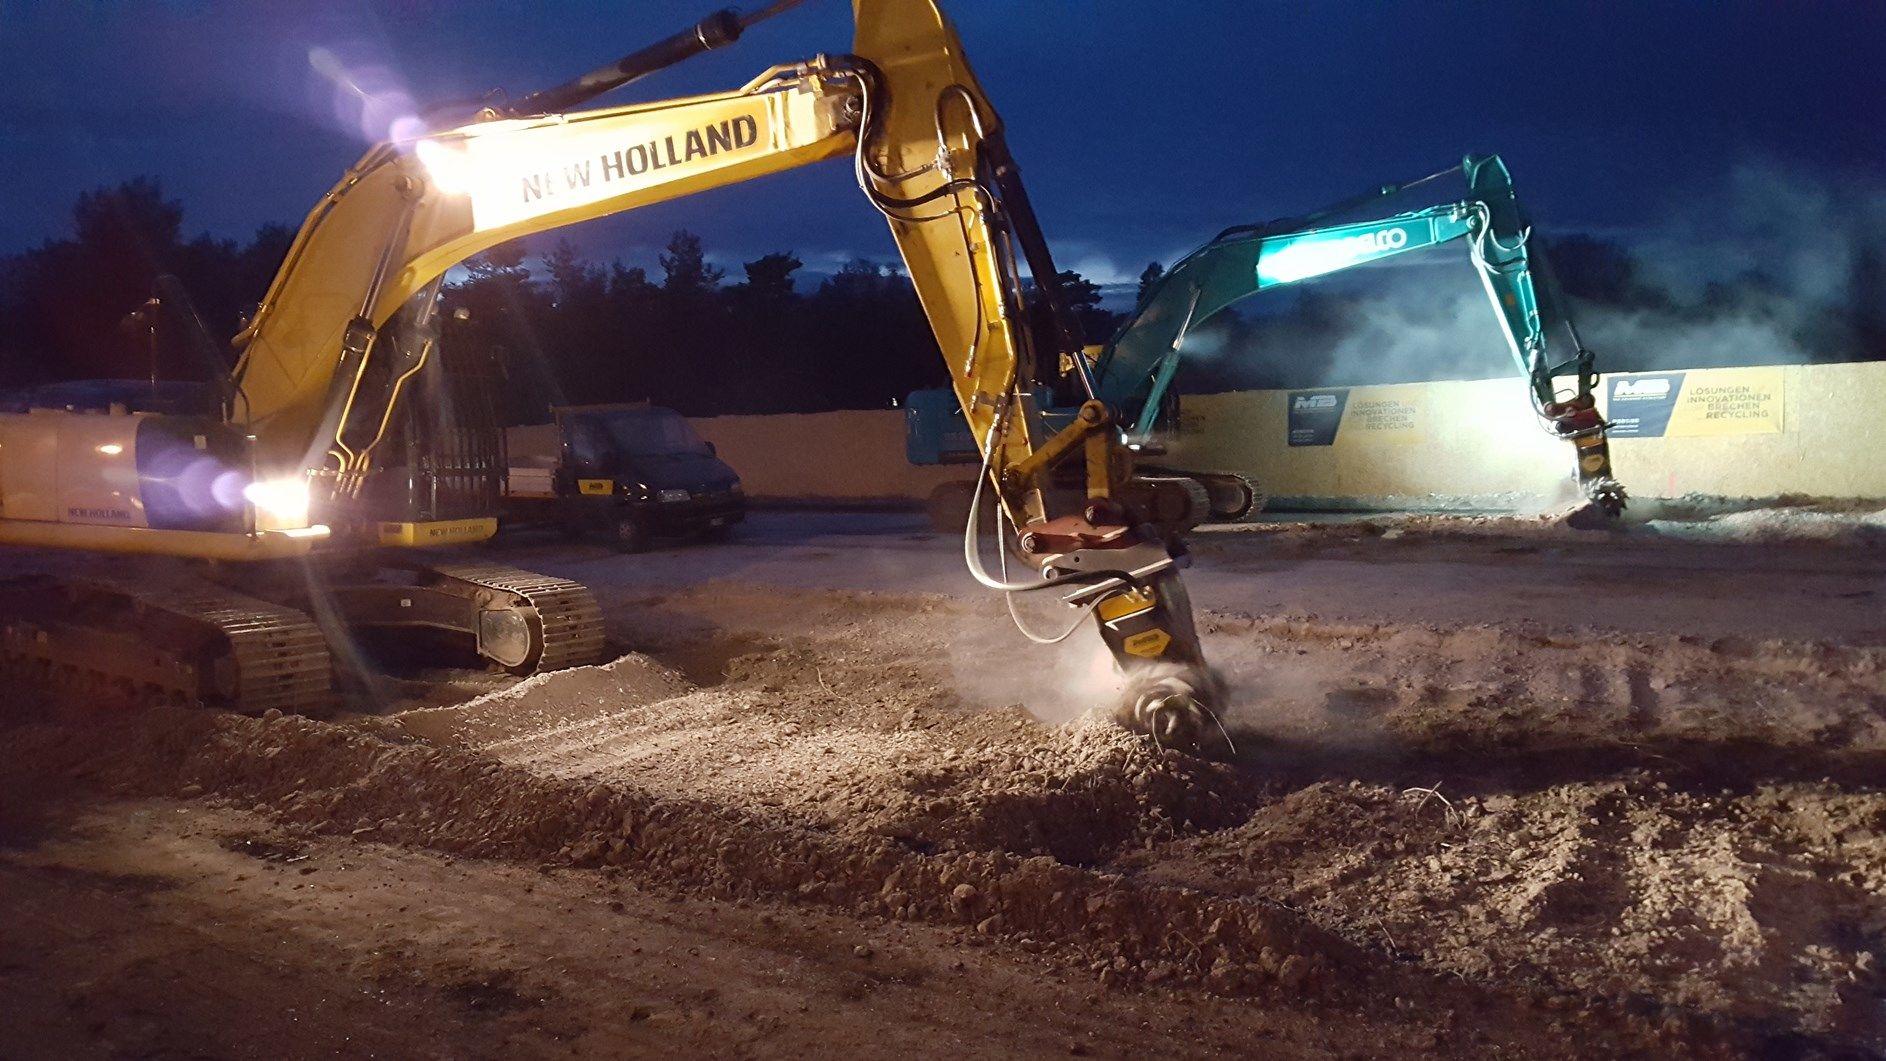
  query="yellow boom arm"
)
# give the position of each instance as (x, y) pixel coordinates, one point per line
(407, 212)
(927, 152)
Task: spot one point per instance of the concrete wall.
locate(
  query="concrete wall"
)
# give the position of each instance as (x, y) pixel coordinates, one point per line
(1473, 439)
(1736, 432)
(1741, 432)
(1830, 441)
(852, 455)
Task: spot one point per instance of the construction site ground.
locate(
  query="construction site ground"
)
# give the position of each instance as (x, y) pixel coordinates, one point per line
(1500, 788)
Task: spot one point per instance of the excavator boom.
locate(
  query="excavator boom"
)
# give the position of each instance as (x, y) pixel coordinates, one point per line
(407, 212)
(1135, 370)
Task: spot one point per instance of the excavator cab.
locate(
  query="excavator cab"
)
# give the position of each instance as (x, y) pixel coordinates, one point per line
(444, 454)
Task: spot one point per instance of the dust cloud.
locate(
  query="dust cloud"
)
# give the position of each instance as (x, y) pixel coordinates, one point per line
(993, 665)
(1770, 266)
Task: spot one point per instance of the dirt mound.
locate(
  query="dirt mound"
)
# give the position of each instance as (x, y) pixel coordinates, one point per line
(867, 743)
(1690, 519)
(1663, 835)
(1743, 905)
(337, 779)
(1784, 524)
(1537, 806)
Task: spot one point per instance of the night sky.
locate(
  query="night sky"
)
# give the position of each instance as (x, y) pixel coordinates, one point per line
(1142, 128)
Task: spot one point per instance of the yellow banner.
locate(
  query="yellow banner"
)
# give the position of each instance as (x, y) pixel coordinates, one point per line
(1395, 414)
(1728, 401)
(516, 171)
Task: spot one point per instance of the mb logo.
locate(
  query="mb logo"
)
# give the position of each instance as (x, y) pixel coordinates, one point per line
(1658, 387)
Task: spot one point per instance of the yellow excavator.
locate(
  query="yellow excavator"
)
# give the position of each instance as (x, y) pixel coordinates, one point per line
(338, 448)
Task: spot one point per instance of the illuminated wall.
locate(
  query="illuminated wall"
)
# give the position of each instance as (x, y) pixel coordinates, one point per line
(1737, 432)
(1743, 432)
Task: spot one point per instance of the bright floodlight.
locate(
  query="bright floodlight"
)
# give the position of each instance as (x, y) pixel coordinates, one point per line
(283, 501)
(450, 168)
(1300, 261)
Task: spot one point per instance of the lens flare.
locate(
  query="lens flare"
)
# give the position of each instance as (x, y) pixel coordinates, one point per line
(449, 168)
(280, 504)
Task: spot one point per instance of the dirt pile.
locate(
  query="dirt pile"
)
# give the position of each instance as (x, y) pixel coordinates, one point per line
(1739, 905)
(1690, 519)
(1670, 839)
(1407, 689)
(1510, 804)
(933, 779)
(341, 780)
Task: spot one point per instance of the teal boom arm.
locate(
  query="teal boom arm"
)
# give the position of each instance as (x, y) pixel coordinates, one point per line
(1135, 370)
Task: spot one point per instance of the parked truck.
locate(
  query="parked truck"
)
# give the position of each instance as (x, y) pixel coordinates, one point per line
(631, 473)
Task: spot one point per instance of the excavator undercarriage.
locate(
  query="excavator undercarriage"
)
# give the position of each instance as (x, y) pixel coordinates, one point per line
(292, 633)
(254, 637)
(515, 620)
(108, 643)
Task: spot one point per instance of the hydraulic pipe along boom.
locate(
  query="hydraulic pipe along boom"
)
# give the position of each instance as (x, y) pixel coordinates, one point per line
(717, 30)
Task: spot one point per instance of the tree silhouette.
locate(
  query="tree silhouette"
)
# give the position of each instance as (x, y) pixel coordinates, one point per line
(64, 305)
(770, 276)
(1082, 300)
(685, 266)
(1152, 274)
(573, 280)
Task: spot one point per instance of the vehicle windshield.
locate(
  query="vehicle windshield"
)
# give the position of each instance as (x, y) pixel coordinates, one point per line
(654, 433)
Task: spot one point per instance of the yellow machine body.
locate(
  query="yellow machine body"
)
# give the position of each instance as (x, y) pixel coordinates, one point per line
(57, 467)
(71, 480)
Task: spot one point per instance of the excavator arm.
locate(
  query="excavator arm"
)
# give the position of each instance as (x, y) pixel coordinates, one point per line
(928, 153)
(933, 160)
(1135, 370)
(408, 212)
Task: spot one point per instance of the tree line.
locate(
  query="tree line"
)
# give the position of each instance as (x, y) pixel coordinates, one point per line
(566, 331)
(768, 340)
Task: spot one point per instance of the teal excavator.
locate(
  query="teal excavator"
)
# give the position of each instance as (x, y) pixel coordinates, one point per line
(1135, 370)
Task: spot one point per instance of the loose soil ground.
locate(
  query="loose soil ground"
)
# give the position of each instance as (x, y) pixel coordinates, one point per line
(1500, 789)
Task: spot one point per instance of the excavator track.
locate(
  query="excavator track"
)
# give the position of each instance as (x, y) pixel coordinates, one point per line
(569, 619)
(104, 642)
(280, 655)
(1230, 497)
(1234, 498)
(1175, 503)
